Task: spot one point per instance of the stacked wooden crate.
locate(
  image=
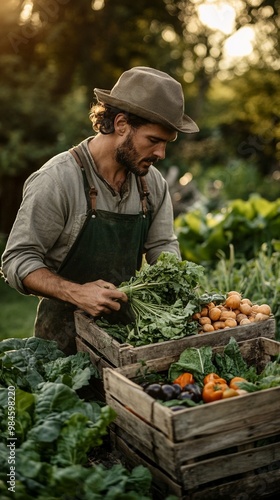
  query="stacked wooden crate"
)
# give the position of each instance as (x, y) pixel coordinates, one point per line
(223, 449)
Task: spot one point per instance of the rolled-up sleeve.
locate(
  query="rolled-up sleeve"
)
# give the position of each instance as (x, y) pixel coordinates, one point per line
(161, 236)
(41, 235)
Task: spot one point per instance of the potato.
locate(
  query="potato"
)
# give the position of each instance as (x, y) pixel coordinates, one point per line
(219, 325)
(240, 317)
(205, 320)
(245, 321)
(245, 308)
(196, 315)
(264, 309)
(261, 317)
(233, 292)
(255, 308)
(230, 322)
(208, 328)
(233, 301)
(204, 311)
(214, 313)
(227, 314)
(246, 301)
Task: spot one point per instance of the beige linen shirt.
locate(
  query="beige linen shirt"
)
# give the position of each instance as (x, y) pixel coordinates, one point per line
(54, 209)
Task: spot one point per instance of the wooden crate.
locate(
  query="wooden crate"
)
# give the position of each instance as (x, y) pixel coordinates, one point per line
(200, 450)
(107, 352)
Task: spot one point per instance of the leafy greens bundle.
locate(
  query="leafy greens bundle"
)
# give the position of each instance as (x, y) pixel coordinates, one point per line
(162, 298)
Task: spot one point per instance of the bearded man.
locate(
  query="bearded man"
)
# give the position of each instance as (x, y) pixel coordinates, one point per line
(90, 214)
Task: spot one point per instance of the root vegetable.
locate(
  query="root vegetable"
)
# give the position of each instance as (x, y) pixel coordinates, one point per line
(233, 301)
(204, 320)
(255, 308)
(230, 322)
(227, 314)
(236, 311)
(245, 308)
(245, 321)
(219, 325)
(261, 317)
(196, 316)
(240, 317)
(233, 292)
(264, 309)
(208, 328)
(214, 313)
(246, 301)
(204, 311)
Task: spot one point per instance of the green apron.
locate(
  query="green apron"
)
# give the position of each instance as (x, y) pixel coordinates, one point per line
(109, 246)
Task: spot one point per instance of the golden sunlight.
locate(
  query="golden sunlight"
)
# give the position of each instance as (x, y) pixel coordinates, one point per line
(220, 16)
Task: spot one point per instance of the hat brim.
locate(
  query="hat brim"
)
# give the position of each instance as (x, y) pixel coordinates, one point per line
(187, 125)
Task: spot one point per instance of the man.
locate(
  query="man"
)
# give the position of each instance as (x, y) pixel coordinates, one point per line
(89, 214)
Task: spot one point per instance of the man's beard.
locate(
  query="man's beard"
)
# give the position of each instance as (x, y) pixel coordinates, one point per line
(127, 155)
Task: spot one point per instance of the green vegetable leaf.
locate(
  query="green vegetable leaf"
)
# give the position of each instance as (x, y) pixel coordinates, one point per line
(231, 363)
(196, 361)
(75, 370)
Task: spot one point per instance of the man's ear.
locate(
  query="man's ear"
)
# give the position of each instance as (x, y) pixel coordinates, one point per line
(120, 124)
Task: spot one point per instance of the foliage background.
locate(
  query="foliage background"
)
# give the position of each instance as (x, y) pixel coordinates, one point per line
(53, 53)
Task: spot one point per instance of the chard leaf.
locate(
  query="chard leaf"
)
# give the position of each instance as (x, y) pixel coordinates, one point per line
(231, 363)
(75, 440)
(47, 430)
(56, 398)
(271, 369)
(74, 371)
(78, 435)
(44, 349)
(193, 360)
(21, 368)
(25, 402)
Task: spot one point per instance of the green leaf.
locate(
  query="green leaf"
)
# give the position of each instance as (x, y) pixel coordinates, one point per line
(74, 371)
(193, 360)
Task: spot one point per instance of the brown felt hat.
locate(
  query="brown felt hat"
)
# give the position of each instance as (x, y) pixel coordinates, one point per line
(150, 94)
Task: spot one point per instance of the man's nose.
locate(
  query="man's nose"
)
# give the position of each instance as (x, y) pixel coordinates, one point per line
(159, 151)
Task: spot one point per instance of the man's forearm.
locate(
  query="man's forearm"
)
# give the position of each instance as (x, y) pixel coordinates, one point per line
(45, 283)
(96, 297)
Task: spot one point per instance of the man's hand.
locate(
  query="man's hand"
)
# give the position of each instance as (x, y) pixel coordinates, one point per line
(96, 298)
(99, 297)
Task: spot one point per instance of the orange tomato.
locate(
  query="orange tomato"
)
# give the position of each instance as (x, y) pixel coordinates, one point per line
(213, 377)
(234, 382)
(213, 391)
(184, 379)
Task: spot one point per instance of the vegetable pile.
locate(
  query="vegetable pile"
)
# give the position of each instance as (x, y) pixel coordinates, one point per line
(202, 376)
(163, 299)
(55, 430)
(234, 311)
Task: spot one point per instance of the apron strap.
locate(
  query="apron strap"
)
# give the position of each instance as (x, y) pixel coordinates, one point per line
(92, 190)
(144, 193)
(84, 162)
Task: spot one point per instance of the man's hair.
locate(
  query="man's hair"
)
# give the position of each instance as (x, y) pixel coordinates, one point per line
(102, 117)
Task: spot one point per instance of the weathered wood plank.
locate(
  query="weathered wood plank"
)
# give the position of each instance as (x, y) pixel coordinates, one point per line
(256, 485)
(171, 456)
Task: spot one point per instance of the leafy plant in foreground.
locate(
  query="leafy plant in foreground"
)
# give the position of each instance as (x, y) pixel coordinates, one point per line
(55, 430)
